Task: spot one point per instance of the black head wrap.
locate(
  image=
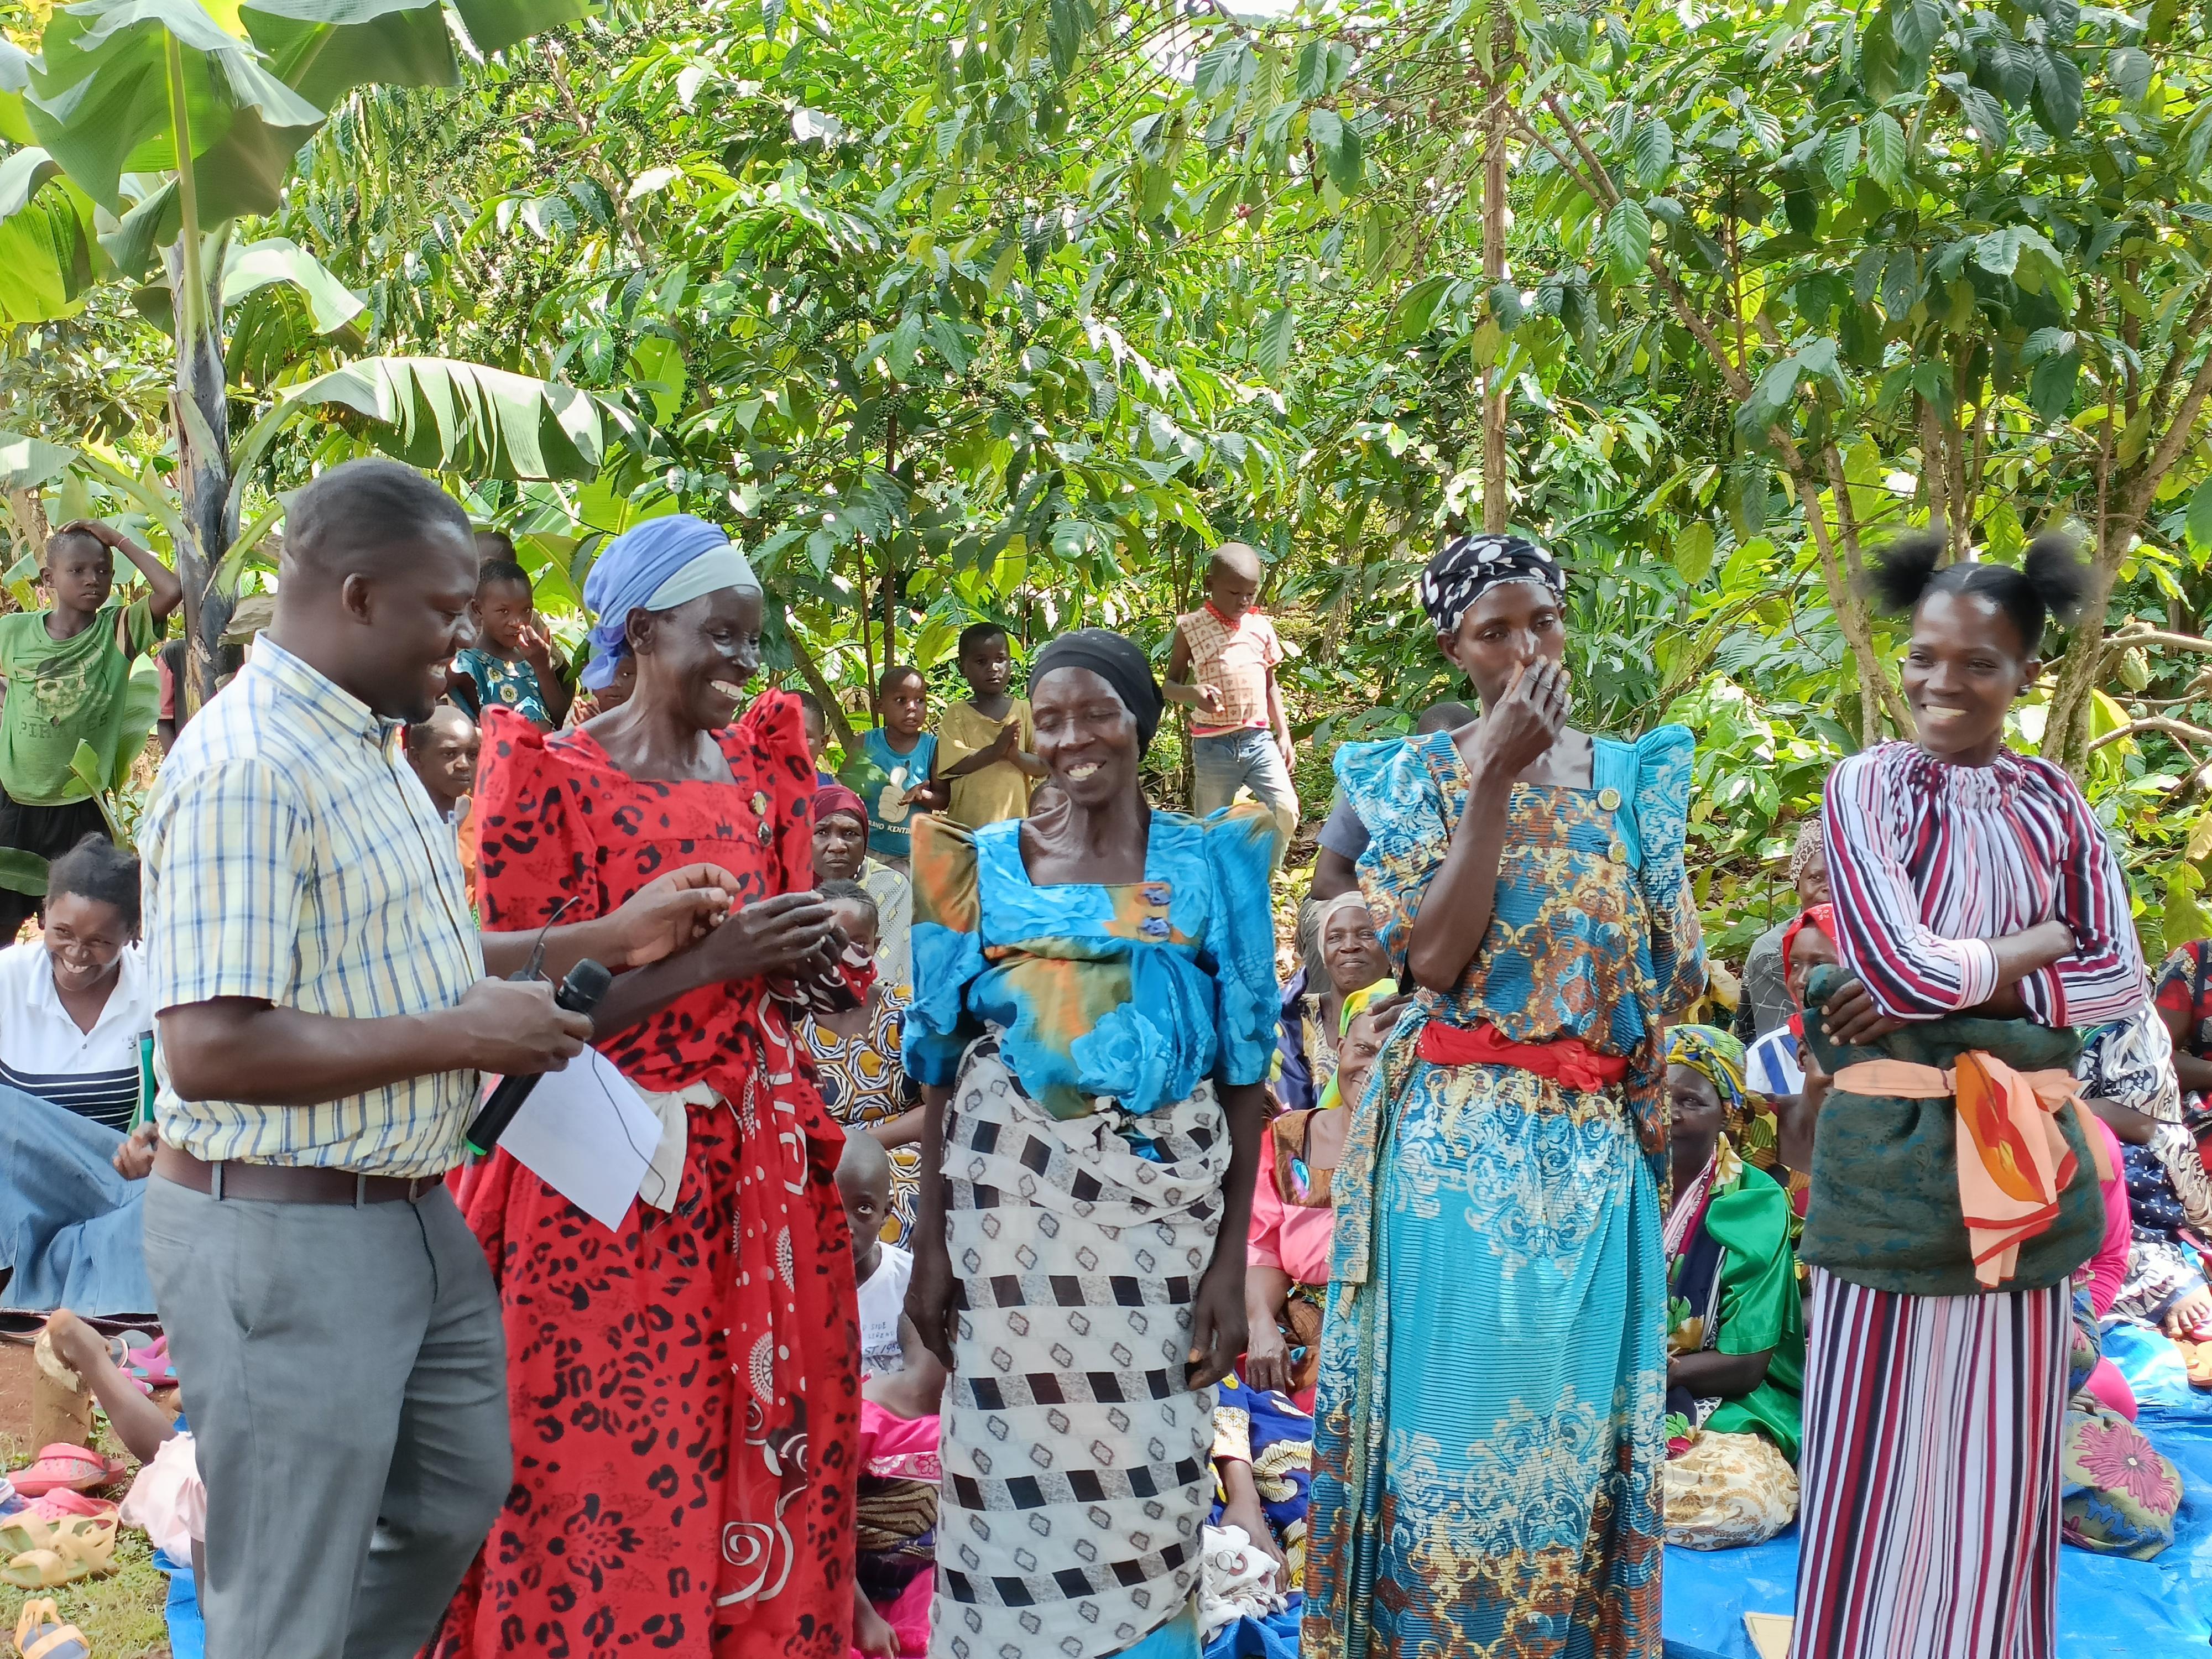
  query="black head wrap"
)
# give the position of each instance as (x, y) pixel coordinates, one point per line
(1116, 660)
(1471, 566)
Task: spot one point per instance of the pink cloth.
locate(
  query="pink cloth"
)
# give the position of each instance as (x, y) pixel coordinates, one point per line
(2112, 1388)
(901, 1448)
(1292, 1237)
(168, 1501)
(2108, 1268)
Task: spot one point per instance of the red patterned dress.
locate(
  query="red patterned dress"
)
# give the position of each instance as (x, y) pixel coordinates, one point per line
(685, 1395)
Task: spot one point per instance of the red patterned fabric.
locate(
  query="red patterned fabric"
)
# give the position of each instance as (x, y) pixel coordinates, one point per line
(685, 1395)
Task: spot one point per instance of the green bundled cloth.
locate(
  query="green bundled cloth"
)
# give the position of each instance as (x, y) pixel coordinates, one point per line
(1884, 1210)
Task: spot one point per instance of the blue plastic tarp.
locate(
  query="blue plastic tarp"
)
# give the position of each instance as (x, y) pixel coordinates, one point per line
(2108, 1609)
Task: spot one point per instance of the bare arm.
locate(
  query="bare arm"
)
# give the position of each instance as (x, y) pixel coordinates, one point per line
(245, 1049)
(1333, 873)
(1277, 719)
(1217, 1324)
(661, 918)
(1455, 911)
(1852, 1016)
(1713, 1375)
(164, 591)
(929, 1294)
(1267, 1356)
(901, 1131)
(788, 932)
(2195, 1074)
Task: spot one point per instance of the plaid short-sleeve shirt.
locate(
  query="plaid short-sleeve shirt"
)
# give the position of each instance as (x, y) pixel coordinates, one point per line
(292, 856)
(1237, 658)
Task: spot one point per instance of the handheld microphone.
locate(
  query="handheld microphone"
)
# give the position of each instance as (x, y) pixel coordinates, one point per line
(579, 994)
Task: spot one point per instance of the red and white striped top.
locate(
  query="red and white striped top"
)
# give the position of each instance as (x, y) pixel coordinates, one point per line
(1928, 861)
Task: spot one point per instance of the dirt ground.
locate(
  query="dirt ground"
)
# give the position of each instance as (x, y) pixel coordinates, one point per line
(16, 1370)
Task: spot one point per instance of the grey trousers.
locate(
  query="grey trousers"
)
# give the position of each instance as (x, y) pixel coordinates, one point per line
(345, 1376)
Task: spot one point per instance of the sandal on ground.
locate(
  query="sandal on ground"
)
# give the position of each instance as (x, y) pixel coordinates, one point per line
(2197, 1357)
(149, 1366)
(40, 1633)
(62, 1505)
(79, 1547)
(62, 1466)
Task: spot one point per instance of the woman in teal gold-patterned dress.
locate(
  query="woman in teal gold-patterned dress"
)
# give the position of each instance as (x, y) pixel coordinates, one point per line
(1488, 1443)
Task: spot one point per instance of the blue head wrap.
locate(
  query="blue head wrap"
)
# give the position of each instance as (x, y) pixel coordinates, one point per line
(660, 564)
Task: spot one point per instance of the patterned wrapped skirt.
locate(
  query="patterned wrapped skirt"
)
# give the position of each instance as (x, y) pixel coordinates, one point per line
(1076, 1465)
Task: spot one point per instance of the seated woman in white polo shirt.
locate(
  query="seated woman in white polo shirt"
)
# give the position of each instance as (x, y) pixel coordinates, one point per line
(73, 1012)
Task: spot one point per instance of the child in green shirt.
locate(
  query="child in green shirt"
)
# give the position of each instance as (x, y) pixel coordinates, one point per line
(67, 671)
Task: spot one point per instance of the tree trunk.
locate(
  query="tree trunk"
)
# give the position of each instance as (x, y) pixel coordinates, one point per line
(1496, 493)
(201, 416)
(810, 672)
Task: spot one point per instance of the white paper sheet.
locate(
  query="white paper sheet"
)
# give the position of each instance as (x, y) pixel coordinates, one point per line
(585, 1133)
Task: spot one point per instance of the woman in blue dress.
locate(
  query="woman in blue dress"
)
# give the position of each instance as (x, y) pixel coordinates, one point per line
(1093, 1017)
(1488, 1445)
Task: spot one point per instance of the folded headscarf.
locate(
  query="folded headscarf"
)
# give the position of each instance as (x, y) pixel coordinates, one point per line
(1808, 843)
(835, 798)
(1718, 1057)
(1470, 566)
(660, 564)
(1821, 918)
(1122, 664)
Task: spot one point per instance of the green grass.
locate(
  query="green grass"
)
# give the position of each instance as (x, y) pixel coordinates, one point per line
(120, 1614)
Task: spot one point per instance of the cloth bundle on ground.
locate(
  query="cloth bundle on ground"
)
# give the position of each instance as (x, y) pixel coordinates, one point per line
(2119, 1495)
(69, 1225)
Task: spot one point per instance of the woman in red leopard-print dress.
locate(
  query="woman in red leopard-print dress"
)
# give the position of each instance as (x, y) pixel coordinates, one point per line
(684, 1393)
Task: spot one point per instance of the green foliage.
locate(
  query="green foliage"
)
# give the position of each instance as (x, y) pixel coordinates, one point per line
(1014, 309)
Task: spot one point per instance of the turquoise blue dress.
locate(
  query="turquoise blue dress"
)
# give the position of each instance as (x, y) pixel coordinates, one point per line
(1488, 1445)
(1133, 992)
(1082, 1030)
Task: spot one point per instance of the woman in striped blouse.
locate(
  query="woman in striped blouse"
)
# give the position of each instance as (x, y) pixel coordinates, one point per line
(1967, 881)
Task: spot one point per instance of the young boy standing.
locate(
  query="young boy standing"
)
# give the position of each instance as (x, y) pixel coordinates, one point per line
(68, 672)
(984, 745)
(1222, 667)
(511, 664)
(903, 754)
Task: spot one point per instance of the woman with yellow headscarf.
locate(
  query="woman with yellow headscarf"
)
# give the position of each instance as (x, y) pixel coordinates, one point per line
(1735, 1326)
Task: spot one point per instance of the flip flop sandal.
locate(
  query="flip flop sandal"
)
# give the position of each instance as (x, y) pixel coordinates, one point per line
(40, 1633)
(36, 1570)
(62, 1465)
(2198, 1356)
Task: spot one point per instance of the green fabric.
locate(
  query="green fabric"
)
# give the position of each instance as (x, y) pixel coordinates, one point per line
(62, 692)
(1884, 1207)
(1761, 1308)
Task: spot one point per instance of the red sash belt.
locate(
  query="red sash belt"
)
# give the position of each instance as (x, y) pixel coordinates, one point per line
(1568, 1062)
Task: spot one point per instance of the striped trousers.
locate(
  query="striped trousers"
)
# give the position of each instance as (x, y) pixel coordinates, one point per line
(1934, 1426)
